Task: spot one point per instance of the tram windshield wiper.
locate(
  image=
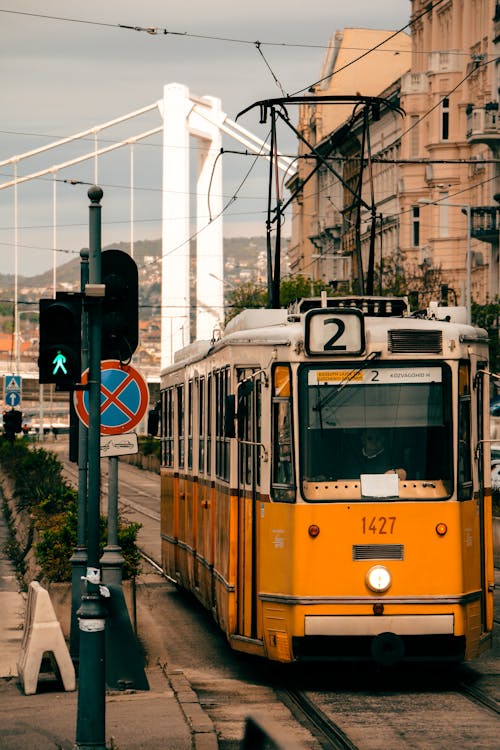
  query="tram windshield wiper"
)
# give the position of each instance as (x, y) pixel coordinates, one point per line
(334, 392)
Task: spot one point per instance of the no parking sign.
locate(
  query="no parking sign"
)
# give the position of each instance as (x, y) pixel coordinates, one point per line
(124, 398)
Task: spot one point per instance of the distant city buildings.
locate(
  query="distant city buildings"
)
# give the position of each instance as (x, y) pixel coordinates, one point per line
(434, 176)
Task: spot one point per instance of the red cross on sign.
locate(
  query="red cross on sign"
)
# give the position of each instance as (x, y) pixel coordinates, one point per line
(124, 398)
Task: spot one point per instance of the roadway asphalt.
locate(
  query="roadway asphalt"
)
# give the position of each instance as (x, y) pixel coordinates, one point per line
(168, 716)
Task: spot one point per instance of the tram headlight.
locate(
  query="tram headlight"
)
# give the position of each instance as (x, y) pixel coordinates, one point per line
(378, 579)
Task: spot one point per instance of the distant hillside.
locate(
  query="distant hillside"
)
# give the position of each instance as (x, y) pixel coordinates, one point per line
(243, 248)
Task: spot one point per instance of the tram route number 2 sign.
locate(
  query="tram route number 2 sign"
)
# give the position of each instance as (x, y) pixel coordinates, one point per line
(334, 331)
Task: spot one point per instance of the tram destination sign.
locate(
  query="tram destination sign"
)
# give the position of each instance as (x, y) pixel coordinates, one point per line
(376, 376)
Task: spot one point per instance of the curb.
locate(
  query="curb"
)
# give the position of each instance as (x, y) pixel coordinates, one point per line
(201, 725)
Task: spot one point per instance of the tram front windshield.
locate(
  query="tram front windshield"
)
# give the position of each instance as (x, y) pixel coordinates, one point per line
(368, 421)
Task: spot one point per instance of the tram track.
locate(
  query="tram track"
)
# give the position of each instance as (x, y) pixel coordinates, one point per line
(327, 732)
(479, 697)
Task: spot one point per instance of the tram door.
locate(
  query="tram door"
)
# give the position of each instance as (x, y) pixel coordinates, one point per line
(482, 437)
(249, 436)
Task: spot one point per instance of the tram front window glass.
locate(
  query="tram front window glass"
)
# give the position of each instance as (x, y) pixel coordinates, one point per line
(393, 419)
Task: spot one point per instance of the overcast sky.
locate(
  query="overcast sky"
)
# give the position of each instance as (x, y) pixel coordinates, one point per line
(60, 77)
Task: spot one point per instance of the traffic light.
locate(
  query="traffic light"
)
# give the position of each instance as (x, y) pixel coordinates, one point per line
(120, 307)
(12, 423)
(59, 359)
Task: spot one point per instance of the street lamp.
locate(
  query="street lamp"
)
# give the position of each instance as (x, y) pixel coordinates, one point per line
(467, 210)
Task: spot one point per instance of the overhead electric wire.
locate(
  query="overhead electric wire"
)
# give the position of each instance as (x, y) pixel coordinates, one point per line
(155, 31)
(162, 31)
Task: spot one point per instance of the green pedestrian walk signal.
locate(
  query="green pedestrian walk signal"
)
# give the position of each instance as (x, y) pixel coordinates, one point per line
(59, 363)
(59, 359)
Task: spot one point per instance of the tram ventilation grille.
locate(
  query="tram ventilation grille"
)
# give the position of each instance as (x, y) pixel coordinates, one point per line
(404, 341)
(378, 552)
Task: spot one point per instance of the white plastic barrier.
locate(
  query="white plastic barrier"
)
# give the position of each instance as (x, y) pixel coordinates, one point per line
(43, 634)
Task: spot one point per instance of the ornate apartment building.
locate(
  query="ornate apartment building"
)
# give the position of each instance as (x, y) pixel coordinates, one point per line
(433, 174)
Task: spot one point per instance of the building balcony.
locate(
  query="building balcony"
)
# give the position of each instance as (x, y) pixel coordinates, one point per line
(485, 223)
(414, 83)
(326, 239)
(445, 61)
(483, 124)
(333, 267)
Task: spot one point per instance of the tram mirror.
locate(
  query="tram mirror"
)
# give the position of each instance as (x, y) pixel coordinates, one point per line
(229, 415)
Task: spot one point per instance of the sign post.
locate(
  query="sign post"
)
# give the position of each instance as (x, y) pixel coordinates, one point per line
(91, 715)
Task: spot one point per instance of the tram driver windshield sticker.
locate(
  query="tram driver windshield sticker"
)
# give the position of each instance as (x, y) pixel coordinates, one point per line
(374, 376)
(334, 331)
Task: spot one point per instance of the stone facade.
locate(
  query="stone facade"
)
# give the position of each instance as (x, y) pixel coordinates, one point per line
(433, 178)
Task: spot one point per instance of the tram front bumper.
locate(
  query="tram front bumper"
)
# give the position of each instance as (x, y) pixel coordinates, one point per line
(372, 625)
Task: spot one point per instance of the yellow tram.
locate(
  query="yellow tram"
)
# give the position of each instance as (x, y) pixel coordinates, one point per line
(326, 481)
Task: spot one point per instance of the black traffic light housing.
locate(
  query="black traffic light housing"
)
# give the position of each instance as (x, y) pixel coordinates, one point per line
(60, 358)
(120, 307)
(12, 423)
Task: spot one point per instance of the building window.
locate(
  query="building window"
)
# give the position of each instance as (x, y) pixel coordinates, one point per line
(415, 224)
(444, 210)
(445, 119)
(414, 135)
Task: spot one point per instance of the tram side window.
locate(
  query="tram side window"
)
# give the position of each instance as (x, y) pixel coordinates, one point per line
(464, 433)
(221, 442)
(180, 425)
(168, 427)
(190, 426)
(249, 411)
(282, 436)
(209, 424)
(201, 425)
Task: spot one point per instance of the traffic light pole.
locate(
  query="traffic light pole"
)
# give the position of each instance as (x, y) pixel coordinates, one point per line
(90, 728)
(79, 557)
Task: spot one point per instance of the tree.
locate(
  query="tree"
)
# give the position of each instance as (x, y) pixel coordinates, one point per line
(487, 317)
(299, 286)
(251, 296)
(246, 296)
(399, 279)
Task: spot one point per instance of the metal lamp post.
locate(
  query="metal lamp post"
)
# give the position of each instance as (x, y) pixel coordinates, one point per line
(466, 208)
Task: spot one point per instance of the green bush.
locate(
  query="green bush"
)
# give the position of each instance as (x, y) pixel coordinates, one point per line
(36, 473)
(41, 490)
(149, 446)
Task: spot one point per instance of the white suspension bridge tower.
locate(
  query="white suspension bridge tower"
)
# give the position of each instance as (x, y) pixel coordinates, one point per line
(183, 115)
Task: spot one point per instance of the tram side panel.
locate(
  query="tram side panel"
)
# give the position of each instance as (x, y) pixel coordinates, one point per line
(204, 558)
(169, 514)
(224, 570)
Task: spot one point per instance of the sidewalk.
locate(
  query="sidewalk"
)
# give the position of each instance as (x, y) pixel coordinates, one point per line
(166, 717)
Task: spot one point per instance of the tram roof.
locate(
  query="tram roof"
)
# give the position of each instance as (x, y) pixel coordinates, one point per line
(271, 326)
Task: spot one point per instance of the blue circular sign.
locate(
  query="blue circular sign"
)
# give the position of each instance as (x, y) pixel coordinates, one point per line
(124, 398)
(13, 398)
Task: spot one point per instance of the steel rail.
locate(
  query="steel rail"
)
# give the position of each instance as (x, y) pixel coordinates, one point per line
(329, 734)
